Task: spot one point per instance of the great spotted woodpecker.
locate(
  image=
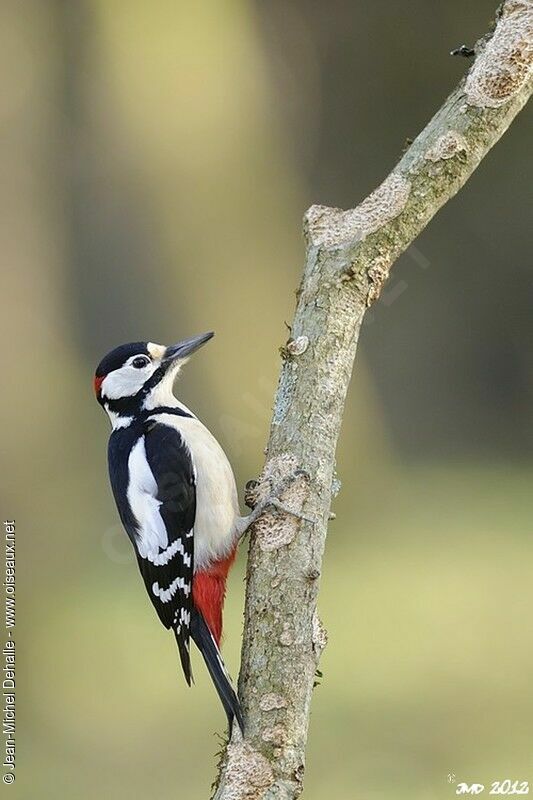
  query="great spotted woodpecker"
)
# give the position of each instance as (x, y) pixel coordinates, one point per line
(176, 497)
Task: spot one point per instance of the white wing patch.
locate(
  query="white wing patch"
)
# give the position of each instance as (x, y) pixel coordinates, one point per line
(164, 557)
(167, 594)
(142, 497)
(181, 617)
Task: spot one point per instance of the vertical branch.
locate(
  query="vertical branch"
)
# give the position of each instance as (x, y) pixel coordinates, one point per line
(348, 257)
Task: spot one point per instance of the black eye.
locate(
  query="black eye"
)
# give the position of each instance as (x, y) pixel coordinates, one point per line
(140, 362)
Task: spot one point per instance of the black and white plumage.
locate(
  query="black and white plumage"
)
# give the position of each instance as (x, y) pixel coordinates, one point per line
(153, 483)
(176, 497)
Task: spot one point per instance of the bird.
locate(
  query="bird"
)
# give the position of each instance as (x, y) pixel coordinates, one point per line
(176, 497)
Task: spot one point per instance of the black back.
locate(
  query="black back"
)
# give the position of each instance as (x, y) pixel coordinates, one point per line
(170, 463)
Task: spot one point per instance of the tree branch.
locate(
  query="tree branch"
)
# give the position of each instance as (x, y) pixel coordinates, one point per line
(348, 258)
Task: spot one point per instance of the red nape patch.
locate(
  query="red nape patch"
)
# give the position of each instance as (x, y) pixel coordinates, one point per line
(208, 591)
(97, 383)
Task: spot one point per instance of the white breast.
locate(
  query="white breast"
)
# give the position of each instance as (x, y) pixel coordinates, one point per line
(217, 507)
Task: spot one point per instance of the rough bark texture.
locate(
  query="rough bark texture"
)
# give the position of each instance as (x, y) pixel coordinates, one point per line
(349, 254)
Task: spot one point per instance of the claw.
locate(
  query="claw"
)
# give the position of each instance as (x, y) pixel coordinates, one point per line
(275, 503)
(272, 501)
(250, 493)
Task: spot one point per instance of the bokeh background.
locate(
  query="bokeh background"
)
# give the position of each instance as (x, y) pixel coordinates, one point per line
(157, 158)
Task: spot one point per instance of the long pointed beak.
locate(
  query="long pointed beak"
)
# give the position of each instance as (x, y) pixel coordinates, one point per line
(176, 352)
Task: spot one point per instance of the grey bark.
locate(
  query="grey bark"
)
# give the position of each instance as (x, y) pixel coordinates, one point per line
(348, 258)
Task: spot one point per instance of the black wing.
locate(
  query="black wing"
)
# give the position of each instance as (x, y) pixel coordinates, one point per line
(153, 482)
(168, 573)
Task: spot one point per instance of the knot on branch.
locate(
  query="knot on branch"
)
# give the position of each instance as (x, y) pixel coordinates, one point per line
(448, 145)
(274, 734)
(280, 478)
(505, 63)
(248, 774)
(272, 702)
(333, 227)
(295, 347)
(319, 636)
(378, 273)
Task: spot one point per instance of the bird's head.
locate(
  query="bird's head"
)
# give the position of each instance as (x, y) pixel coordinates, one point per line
(140, 375)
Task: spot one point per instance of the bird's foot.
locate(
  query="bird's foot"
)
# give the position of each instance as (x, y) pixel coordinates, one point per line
(272, 501)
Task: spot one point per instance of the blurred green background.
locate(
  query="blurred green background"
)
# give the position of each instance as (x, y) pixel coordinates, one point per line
(157, 158)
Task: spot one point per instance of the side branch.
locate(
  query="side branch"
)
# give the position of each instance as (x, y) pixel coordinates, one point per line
(348, 258)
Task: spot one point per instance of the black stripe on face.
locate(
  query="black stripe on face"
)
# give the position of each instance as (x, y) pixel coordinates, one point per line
(132, 405)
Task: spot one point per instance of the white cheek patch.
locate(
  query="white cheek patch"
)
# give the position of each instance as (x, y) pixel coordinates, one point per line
(125, 382)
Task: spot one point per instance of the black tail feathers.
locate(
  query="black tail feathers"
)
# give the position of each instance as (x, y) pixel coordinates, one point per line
(206, 644)
(185, 658)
